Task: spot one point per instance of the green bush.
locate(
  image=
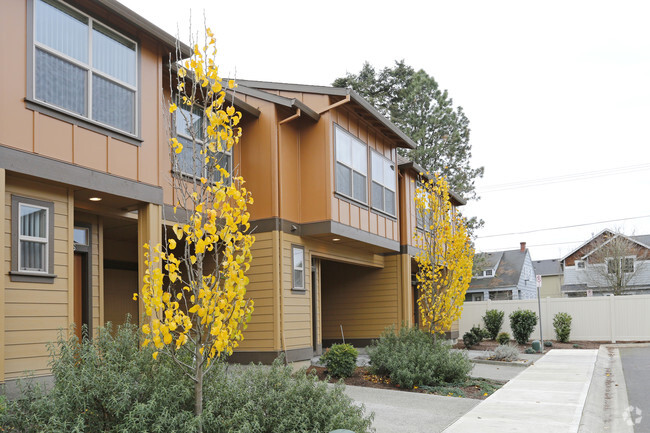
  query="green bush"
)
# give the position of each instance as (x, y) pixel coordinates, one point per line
(274, 400)
(562, 325)
(505, 353)
(503, 338)
(522, 323)
(411, 357)
(548, 344)
(340, 360)
(493, 321)
(109, 384)
(474, 336)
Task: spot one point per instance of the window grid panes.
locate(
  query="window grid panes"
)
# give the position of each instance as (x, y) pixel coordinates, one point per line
(383, 184)
(351, 166)
(83, 67)
(190, 161)
(32, 238)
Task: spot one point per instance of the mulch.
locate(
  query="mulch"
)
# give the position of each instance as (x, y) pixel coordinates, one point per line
(491, 345)
(362, 377)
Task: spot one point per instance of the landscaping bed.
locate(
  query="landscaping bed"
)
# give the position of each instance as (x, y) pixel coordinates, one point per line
(472, 388)
(491, 344)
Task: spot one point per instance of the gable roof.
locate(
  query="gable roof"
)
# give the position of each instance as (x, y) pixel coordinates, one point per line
(584, 244)
(507, 273)
(276, 99)
(401, 137)
(548, 267)
(641, 240)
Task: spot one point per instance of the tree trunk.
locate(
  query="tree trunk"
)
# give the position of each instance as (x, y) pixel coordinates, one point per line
(198, 387)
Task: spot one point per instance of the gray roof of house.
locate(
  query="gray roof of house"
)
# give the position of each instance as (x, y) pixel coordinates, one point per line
(333, 91)
(644, 239)
(405, 163)
(508, 272)
(547, 267)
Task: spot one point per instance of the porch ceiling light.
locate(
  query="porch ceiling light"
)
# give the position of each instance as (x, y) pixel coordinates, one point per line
(336, 239)
(95, 199)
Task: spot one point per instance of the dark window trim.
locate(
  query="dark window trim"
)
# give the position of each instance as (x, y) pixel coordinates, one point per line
(304, 269)
(351, 200)
(383, 214)
(33, 104)
(86, 250)
(25, 276)
(366, 203)
(384, 187)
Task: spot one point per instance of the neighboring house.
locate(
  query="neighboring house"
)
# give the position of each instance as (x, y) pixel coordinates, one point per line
(552, 277)
(84, 184)
(608, 263)
(503, 275)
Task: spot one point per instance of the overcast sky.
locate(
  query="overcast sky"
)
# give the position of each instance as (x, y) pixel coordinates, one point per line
(557, 93)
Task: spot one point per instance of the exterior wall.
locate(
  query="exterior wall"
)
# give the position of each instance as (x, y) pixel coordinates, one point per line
(527, 286)
(34, 132)
(551, 286)
(602, 318)
(35, 312)
(593, 278)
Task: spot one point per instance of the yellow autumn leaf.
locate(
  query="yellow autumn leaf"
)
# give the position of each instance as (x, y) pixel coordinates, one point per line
(172, 108)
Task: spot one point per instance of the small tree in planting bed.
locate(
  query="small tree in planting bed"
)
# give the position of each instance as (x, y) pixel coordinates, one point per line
(493, 320)
(522, 323)
(562, 325)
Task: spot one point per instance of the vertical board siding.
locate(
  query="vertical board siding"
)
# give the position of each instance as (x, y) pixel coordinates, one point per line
(600, 318)
(35, 312)
(259, 334)
(362, 300)
(296, 304)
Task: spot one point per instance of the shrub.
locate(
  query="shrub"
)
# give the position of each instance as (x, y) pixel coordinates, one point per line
(411, 357)
(522, 323)
(506, 353)
(110, 384)
(473, 337)
(274, 400)
(530, 351)
(562, 325)
(548, 344)
(503, 338)
(341, 360)
(493, 321)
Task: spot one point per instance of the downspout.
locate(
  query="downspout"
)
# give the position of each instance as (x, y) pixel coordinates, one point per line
(336, 104)
(283, 343)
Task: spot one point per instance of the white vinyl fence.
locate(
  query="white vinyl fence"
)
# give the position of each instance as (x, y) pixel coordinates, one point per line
(601, 318)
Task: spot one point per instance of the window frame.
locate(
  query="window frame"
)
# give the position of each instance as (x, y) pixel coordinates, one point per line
(90, 71)
(294, 287)
(620, 264)
(197, 141)
(16, 273)
(338, 127)
(392, 164)
(581, 265)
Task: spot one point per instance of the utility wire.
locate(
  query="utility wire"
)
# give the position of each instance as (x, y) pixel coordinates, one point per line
(561, 227)
(563, 178)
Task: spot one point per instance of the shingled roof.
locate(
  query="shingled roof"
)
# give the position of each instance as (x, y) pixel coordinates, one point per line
(508, 272)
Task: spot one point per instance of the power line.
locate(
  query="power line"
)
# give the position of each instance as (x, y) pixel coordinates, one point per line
(491, 250)
(561, 227)
(563, 178)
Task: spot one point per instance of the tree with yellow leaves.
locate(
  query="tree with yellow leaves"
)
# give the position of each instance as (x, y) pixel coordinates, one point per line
(445, 257)
(194, 288)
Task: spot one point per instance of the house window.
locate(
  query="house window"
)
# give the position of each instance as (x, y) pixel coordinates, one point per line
(298, 265)
(351, 166)
(580, 264)
(487, 273)
(625, 264)
(83, 67)
(191, 132)
(383, 184)
(32, 237)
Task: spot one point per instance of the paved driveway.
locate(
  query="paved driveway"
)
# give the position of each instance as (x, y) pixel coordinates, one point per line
(636, 368)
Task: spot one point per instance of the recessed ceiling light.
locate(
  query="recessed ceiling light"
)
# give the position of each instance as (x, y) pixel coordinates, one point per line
(95, 199)
(336, 239)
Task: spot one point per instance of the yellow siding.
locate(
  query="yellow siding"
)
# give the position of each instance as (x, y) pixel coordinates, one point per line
(34, 312)
(260, 334)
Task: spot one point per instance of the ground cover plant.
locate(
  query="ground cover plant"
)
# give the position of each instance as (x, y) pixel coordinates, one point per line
(111, 384)
(411, 357)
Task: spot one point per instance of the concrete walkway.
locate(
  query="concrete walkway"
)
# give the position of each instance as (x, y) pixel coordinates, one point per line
(546, 397)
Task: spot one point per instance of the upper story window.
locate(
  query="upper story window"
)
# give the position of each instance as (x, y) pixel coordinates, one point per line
(351, 166)
(624, 264)
(383, 184)
(83, 67)
(191, 132)
(580, 264)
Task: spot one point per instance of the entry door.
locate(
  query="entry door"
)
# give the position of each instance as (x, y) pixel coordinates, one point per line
(78, 293)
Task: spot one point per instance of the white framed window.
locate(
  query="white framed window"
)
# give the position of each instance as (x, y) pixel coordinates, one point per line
(488, 273)
(383, 183)
(351, 166)
(191, 132)
(298, 266)
(624, 264)
(580, 264)
(32, 244)
(83, 67)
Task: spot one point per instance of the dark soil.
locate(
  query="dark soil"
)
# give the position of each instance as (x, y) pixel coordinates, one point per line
(491, 344)
(362, 377)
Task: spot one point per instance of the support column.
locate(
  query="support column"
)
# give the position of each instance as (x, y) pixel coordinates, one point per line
(3, 240)
(406, 291)
(149, 232)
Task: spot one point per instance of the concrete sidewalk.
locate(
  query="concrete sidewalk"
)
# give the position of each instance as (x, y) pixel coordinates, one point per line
(546, 397)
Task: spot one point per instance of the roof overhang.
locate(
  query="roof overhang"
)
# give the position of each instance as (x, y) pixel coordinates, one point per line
(278, 100)
(456, 199)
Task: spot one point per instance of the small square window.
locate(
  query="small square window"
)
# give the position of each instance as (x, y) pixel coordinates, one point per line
(580, 264)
